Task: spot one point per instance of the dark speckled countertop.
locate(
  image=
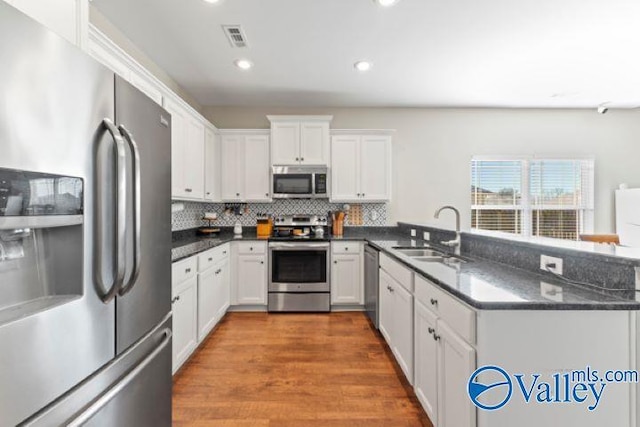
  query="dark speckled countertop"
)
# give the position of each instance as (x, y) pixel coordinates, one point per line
(482, 284)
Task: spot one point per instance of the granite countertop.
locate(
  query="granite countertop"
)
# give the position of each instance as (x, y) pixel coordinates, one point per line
(490, 285)
(482, 284)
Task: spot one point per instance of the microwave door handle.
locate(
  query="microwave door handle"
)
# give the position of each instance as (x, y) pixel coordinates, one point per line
(136, 206)
(120, 218)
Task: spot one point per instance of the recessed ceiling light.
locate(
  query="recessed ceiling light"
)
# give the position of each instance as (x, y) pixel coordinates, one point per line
(362, 66)
(243, 64)
(212, 1)
(386, 3)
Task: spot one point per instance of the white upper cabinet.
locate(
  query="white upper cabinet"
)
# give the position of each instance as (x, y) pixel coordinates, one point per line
(187, 153)
(245, 166)
(361, 167)
(300, 140)
(67, 18)
(211, 165)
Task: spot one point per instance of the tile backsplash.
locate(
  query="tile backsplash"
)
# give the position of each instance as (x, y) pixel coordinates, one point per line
(373, 214)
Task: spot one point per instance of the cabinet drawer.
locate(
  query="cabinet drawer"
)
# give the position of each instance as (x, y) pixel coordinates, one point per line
(211, 257)
(251, 248)
(401, 274)
(345, 247)
(183, 270)
(458, 316)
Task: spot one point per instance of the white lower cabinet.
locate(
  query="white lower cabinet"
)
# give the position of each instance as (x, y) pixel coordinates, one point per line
(200, 298)
(443, 359)
(347, 274)
(213, 296)
(184, 305)
(396, 321)
(250, 278)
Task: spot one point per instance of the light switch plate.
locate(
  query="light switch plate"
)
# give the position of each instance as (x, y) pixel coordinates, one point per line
(545, 260)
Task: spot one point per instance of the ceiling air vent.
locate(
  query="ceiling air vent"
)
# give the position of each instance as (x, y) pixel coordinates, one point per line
(235, 35)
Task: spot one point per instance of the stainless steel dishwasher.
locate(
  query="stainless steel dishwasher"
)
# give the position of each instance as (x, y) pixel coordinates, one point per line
(371, 283)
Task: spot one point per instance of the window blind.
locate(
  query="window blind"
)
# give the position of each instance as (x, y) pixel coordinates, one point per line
(533, 197)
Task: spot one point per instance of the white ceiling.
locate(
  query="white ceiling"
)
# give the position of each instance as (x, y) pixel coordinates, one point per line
(433, 53)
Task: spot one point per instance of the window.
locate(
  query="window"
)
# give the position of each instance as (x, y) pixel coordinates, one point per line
(533, 197)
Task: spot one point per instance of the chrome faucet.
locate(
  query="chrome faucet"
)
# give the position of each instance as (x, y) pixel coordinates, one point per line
(455, 243)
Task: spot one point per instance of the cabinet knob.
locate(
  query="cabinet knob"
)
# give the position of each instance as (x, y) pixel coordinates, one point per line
(346, 249)
(218, 271)
(237, 194)
(208, 193)
(266, 194)
(434, 301)
(210, 259)
(187, 270)
(224, 252)
(436, 337)
(335, 262)
(251, 248)
(302, 159)
(297, 159)
(362, 194)
(261, 262)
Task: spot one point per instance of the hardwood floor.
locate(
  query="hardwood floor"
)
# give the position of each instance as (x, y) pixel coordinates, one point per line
(261, 369)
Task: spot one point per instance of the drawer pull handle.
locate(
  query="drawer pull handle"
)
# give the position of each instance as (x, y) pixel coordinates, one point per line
(261, 262)
(224, 252)
(431, 331)
(188, 190)
(251, 248)
(187, 270)
(346, 249)
(434, 301)
(436, 337)
(218, 271)
(210, 259)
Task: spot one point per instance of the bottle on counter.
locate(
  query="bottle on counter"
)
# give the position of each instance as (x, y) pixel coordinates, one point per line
(237, 229)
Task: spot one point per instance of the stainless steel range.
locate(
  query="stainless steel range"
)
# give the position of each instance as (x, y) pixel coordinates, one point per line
(299, 268)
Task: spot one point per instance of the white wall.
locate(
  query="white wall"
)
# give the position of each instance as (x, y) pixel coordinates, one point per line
(432, 148)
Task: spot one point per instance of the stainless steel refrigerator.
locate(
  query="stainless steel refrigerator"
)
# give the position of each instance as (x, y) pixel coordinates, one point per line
(85, 235)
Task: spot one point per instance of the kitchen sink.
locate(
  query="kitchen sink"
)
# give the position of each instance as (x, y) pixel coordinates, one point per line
(419, 252)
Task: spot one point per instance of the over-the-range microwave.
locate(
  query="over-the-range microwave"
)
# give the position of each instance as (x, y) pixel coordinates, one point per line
(300, 182)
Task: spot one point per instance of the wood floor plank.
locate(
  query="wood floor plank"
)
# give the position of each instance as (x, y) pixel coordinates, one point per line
(283, 370)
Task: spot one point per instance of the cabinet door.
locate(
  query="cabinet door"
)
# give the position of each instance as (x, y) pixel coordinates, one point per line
(346, 280)
(207, 304)
(375, 168)
(256, 168)
(402, 331)
(178, 148)
(231, 149)
(425, 375)
(251, 287)
(222, 289)
(211, 166)
(386, 302)
(285, 143)
(456, 362)
(194, 160)
(345, 164)
(185, 319)
(314, 143)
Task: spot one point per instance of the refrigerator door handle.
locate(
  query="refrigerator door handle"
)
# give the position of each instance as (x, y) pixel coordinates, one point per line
(120, 219)
(112, 392)
(136, 217)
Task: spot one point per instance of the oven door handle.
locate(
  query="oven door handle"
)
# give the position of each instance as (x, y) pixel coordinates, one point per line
(298, 246)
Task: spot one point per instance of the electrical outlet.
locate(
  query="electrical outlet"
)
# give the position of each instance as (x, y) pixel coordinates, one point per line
(413, 232)
(546, 260)
(426, 235)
